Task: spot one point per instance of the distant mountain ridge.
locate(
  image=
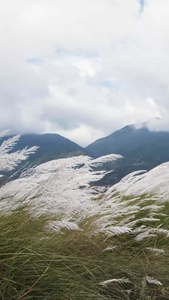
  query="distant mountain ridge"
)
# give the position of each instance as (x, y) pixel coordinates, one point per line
(125, 140)
(51, 146)
(141, 148)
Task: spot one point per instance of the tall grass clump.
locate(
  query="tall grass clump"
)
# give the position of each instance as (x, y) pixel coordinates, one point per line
(39, 263)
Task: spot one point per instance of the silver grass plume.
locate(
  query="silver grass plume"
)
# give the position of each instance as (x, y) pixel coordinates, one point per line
(118, 280)
(156, 250)
(152, 280)
(8, 161)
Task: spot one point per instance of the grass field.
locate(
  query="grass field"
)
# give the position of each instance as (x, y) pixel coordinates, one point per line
(39, 263)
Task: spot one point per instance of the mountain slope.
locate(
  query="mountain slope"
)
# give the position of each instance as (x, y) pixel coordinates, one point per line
(128, 139)
(141, 149)
(51, 146)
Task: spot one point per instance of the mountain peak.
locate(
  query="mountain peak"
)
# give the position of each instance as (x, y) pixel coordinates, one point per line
(141, 147)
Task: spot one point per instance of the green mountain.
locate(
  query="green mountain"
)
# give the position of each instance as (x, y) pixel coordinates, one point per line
(142, 149)
(51, 146)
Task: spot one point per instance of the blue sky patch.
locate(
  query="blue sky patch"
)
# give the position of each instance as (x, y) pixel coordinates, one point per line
(35, 61)
(109, 84)
(87, 54)
(105, 83)
(141, 5)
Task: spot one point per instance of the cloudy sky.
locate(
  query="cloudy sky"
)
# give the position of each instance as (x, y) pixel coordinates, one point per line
(83, 68)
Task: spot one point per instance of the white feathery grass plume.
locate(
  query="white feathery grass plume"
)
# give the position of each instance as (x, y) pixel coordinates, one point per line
(125, 221)
(2, 133)
(130, 201)
(115, 230)
(156, 250)
(63, 187)
(153, 214)
(144, 235)
(8, 161)
(152, 207)
(60, 187)
(8, 145)
(103, 159)
(110, 248)
(151, 232)
(154, 182)
(153, 198)
(161, 231)
(58, 225)
(152, 280)
(107, 220)
(117, 280)
(150, 219)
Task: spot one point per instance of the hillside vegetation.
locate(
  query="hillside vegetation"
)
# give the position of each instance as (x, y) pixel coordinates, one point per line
(64, 238)
(37, 262)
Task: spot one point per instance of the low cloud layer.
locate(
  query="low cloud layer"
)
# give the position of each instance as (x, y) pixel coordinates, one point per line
(83, 68)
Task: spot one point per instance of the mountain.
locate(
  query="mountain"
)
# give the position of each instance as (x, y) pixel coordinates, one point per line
(142, 149)
(51, 146)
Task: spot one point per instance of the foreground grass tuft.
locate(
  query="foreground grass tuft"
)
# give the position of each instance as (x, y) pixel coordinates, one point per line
(36, 263)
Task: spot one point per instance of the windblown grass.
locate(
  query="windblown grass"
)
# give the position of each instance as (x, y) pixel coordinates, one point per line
(38, 263)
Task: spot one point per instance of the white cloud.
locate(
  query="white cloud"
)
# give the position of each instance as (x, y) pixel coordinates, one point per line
(83, 68)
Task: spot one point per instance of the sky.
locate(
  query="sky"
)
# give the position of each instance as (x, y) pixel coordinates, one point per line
(83, 68)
